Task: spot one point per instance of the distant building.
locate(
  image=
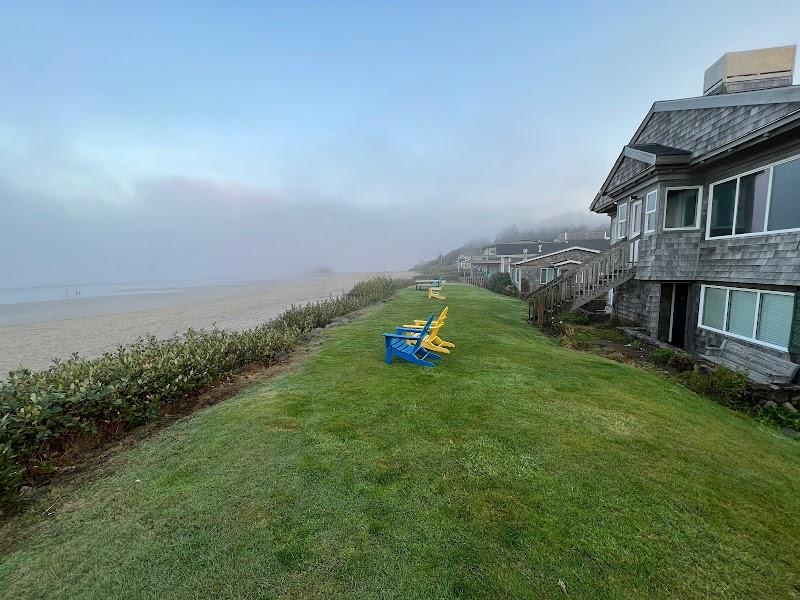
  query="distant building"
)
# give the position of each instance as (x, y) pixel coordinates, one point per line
(553, 259)
(516, 258)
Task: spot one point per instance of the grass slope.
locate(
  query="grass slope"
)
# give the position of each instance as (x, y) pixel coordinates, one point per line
(511, 466)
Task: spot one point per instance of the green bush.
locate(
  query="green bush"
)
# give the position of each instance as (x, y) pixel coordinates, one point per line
(726, 386)
(40, 410)
(501, 283)
(682, 361)
(677, 359)
(662, 356)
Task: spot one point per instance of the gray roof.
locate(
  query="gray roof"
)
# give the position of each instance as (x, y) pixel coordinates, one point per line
(532, 247)
(549, 248)
(511, 248)
(698, 128)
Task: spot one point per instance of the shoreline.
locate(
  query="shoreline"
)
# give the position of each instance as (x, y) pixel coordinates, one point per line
(91, 326)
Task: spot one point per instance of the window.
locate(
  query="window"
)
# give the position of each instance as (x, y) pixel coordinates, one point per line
(650, 203)
(681, 209)
(713, 308)
(622, 220)
(762, 317)
(784, 206)
(547, 274)
(723, 205)
(751, 211)
(764, 200)
(636, 218)
(633, 252)
(742, 312)
(775, 318)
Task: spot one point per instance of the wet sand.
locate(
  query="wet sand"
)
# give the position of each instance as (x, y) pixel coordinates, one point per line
(33, 334)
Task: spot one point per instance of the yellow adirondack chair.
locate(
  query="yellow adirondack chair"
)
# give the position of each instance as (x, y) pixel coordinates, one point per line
(439, 320)
(434, 342)
(429, 342)
(435, 294)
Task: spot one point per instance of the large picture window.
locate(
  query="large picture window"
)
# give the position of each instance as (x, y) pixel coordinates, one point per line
(757, 202)
(755, 315)
(682, 208)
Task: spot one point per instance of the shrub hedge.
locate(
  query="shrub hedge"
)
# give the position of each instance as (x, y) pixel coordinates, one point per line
(502, 284)
(682, 361)
(128, 387)
(726, 386)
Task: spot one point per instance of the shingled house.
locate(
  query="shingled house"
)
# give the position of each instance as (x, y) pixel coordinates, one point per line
(554, 259)
(515, 258)
(705, 210)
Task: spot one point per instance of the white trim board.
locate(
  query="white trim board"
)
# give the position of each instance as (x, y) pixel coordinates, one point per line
(534, 258)
(567, 262)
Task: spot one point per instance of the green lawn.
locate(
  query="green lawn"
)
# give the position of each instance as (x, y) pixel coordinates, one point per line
(512, 465)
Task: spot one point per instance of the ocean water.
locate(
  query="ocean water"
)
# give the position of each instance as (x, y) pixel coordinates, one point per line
(45, 293)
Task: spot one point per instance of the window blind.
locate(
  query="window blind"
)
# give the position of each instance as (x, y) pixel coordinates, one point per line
(775, 320)
(714, 308)
(742, 312)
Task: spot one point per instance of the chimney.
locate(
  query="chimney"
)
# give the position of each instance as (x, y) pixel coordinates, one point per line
(750, 70)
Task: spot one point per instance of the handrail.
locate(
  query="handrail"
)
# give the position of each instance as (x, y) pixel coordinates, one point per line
(600, 272)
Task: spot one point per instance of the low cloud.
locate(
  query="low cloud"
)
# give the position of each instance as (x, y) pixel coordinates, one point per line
(194, 229)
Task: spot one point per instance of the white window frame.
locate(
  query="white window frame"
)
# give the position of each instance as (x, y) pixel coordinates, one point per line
(696, 226)
(722, 331)
(770, 169)
(633, 252)
(622, 224)
(542, 272)
(653, 212)
(633, 221)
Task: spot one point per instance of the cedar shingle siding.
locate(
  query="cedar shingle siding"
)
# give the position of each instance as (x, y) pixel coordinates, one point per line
(700, 131)
(627, 170)
(703, 130)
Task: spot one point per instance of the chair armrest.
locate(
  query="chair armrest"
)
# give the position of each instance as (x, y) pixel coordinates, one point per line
(414, 330)
(402, 337)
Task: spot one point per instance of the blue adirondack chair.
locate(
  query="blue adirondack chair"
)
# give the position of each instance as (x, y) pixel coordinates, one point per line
(397, 345)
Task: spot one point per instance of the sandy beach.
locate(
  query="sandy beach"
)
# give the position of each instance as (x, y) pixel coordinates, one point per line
(33, 334)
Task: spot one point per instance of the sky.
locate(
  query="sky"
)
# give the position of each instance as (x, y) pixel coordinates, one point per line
(230, 141)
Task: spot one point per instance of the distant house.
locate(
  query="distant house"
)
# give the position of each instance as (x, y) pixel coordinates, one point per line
(497, 258)
(556, 259)
(505, 257)
(704, 203)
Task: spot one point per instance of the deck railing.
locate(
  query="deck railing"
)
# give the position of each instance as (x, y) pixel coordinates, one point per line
(474, 280)
(579, 286)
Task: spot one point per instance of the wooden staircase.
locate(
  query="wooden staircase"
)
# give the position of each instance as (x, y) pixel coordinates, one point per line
(579, 286)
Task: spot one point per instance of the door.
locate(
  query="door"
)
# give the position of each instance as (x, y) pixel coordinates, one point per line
(677, 320)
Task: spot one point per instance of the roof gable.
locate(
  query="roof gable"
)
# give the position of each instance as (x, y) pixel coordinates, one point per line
(567, 249)
(701, 130)
(698, 126)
